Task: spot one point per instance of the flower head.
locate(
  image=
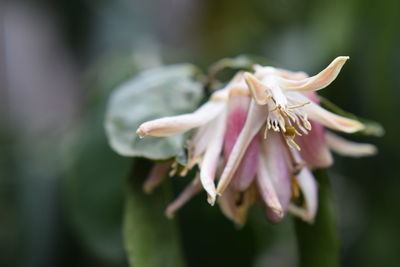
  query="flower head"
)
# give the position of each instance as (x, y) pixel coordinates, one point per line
(260, 136)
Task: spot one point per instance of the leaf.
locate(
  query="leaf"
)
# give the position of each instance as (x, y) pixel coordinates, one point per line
(151, 240)
(155, 93)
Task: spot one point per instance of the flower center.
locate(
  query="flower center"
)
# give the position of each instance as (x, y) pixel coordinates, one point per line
(291, 120)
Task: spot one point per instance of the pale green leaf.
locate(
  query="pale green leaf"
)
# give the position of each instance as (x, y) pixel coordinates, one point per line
(163, 91)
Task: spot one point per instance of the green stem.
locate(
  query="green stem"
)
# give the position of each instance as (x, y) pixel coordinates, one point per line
(151, 240)
(318, 243)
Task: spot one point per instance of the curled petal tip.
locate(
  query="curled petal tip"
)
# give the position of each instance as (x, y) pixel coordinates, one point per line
(277, 211)
(257, 89)
(352, 126)
(211, 199)
(140, 132)
(169, 214)
(316, 82)
(147, 190)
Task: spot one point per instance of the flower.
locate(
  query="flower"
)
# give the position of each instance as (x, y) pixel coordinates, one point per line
(261, 135)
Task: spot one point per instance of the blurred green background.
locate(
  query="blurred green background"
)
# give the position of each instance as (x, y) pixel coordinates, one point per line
(61, 186)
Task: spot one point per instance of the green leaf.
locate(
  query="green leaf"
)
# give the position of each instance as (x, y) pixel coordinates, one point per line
(155, 93)
(150, 238)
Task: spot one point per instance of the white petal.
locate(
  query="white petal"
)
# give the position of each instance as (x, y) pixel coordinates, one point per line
(292, 75)
(202, 137)
(176, 124)
(266, 187)
(260, 72)
(348, 148)
(192, 189)
(309, 188)
(258, 90)
(331, 120)
(156, 176)
(255, 119)
(211, 158)
(317, 82)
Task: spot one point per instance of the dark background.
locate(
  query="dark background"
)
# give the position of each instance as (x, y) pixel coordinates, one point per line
(61, 186)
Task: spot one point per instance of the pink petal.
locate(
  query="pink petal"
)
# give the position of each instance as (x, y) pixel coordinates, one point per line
(176, 124)
(317, 82)
(246, 171)
(314, 149)
(277, 164)
(255, 119)
(156, 176)
(267, 190)
(191, 190)
(236, 119)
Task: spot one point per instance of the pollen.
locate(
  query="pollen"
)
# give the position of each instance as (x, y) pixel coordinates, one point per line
(290, 131)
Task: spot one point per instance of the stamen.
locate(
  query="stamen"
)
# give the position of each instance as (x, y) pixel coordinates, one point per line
(292, 144)
(290, 131)
(298, 105)
(174, 169)
(266, 132)
(289, 115)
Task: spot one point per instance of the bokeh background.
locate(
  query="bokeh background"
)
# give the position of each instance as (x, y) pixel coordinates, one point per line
(62, 187)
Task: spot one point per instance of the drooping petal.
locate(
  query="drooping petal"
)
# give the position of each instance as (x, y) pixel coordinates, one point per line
(309, 188)
(255, 119)
(277, 164)
(317, 82)
(258, 90)
(192, 189)
(331, 120)
(156, 176)
(246, 170)
(176, 124)
(317, 113)
(235, 205)
(348, 148)
(237, 113)
(211, 158)
(267, 189)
